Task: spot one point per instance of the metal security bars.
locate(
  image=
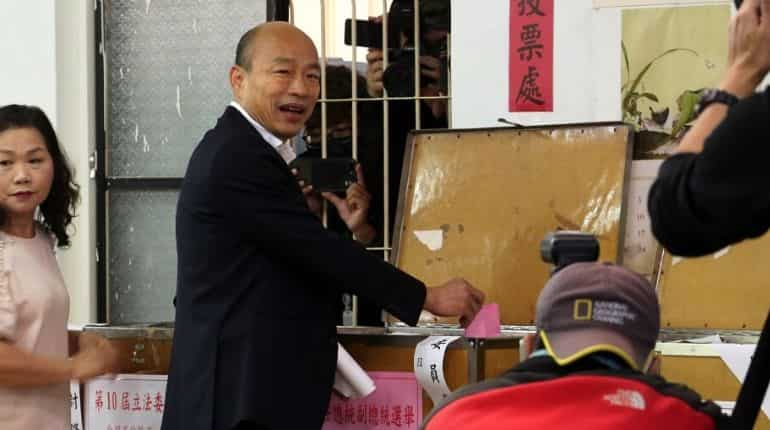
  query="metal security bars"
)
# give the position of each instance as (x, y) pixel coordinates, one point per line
(385, 100)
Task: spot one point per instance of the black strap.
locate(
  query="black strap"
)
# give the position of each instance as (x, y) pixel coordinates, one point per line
(755, 385)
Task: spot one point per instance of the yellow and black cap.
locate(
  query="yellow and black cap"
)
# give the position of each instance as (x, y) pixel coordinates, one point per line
(590, 307)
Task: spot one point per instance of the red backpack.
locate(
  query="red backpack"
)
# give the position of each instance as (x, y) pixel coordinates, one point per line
(575, 402)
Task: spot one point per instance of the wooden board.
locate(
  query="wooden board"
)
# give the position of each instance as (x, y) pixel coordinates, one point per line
(476, 204)
(726, 290)
(136, 354)
(709, 376)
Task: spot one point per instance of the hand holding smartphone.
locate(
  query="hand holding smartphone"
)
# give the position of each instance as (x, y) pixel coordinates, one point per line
(326, 174)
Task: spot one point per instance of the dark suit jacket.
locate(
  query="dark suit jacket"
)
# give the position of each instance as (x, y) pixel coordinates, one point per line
(257, 285)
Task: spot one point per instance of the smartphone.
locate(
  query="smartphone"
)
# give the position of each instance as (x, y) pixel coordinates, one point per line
(369, 34)
(326, 174)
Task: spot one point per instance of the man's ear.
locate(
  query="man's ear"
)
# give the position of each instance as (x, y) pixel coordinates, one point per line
(237, 78)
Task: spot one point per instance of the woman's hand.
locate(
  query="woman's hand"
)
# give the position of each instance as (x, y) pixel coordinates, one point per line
(96, 357)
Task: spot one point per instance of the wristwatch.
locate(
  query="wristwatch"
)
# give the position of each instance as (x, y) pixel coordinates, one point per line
(714, 95)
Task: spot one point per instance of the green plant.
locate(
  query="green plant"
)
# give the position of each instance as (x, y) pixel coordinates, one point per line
(687, 103)
(629, 89)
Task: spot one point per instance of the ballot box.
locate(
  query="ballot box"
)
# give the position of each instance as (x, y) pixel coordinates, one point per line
(465, 360)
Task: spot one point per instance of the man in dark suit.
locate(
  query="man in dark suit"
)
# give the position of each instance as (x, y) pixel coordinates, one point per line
(258, 275)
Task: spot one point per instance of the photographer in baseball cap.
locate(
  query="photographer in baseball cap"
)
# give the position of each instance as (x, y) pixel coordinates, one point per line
(590, 308)
(597, 325)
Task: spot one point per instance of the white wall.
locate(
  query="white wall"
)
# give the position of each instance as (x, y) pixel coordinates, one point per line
(586, 64)
(27, 50)
(47, 61)
(75, 97)
(307, 16)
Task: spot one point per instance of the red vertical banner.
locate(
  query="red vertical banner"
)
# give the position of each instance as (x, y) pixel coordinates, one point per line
(530, 56)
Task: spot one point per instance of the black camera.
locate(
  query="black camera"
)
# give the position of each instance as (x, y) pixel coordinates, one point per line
(564, 247)
(399, 77)
(326, 174)
(336, 147)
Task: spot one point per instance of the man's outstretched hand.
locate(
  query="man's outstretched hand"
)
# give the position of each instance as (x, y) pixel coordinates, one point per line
(454, 298)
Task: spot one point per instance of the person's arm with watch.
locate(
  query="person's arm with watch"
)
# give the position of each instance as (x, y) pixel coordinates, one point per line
(715, 190)
(748, 62)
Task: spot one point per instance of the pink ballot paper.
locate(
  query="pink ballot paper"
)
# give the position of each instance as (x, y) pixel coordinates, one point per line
(487, 322)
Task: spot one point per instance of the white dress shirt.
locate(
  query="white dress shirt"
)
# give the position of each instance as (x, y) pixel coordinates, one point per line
(284, 148)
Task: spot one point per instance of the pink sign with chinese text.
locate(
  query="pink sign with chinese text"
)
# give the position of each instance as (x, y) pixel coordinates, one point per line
(395, 404)
(530, 56)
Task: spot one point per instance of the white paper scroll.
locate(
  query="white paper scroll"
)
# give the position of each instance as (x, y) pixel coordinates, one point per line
(350, 380)
(429, 365)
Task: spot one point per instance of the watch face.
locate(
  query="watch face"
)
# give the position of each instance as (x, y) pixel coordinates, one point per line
(713, 95)
(708, 96)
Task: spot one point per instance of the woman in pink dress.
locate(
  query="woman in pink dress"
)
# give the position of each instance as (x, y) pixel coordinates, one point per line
(37, 201)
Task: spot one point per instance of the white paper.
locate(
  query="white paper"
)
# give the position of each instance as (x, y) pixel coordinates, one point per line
(714, 338)
(341, 385)
(126, 401)
(727, 407)
(721, 253)
(433, 239)
(639, 245)
(737, 358)
(429, 365)
(76, 408)
(427, 317)
(350, 380)
(75, 327)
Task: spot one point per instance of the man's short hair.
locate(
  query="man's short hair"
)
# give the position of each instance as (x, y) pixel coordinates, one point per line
(590, 307)
(244, 49)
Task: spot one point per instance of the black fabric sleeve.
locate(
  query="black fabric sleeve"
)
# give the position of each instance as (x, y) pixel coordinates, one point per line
(264, 201)
(703, 202)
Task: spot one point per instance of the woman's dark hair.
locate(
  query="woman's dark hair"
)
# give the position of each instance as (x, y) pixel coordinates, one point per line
(58, 209)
